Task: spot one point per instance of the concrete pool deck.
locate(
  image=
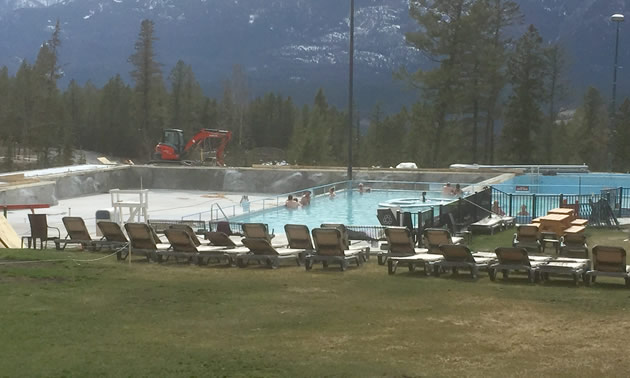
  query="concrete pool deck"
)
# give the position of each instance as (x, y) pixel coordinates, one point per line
(163, 204)
(177, 191)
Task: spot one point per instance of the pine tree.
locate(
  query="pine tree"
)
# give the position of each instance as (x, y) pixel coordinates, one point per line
(591, 124)
(526, 68)
(186, 99)
(147, 75)
(442, 38)
(555, 83)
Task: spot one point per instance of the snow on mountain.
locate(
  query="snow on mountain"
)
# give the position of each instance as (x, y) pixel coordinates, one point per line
(292, 46)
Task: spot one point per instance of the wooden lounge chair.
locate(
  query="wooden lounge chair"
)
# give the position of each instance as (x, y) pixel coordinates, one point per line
(608, 261)
(261, 250)
(299, 237)
(574, 245)
(77, 234)
(330, 247)
(526, 236)
(220, 239)
(142, 240)
(401, 250)
(39, 230)
(435, 237)
(190, 232)
(342, 228)
(257, 231)
(491, 224)
(516, 259)
(114, 236)
(459, 256)
(565, 266)
(183, 246)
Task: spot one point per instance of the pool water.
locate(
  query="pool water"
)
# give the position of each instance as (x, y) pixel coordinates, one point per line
(565, 183)
(350, 208)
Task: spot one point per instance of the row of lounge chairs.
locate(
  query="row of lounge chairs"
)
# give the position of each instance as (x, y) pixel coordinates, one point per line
(330, 244)
(607, 260)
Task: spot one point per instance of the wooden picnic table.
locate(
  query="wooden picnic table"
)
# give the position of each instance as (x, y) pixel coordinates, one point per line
(574, 230)
(555, 223)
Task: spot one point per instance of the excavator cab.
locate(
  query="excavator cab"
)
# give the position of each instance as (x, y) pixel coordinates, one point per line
(171, 147)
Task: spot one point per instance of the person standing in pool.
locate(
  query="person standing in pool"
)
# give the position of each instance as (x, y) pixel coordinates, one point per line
(291, 203)
(306, 198)
(447, 190)
(424, 196)
(245, 204)
(331, 193)
(458, 191)
(363, 189)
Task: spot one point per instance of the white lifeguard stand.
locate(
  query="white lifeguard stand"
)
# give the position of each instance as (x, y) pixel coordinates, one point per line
(131, 203)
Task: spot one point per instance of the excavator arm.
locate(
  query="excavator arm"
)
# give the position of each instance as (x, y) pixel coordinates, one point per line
(204, 136)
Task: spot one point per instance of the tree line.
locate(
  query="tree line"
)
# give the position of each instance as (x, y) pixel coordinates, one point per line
(486, 98)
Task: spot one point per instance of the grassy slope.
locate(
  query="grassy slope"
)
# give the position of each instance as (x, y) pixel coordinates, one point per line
(107, 318)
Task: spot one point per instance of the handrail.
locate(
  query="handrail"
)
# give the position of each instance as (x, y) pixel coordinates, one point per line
(219, 207)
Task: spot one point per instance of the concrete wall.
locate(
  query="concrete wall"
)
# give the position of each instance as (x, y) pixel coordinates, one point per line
(249, 180)
(29, 194)
(281, 180)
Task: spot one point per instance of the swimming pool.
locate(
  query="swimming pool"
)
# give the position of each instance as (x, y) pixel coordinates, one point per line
(564, 183)
(348, 207)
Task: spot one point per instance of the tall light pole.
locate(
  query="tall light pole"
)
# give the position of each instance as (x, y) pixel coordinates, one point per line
(351, 90)
(618, 19)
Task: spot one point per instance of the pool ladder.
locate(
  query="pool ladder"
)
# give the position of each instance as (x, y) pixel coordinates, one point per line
(219, 209)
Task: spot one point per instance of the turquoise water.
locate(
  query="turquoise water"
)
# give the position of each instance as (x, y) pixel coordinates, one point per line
(565, 183)
(350, 208)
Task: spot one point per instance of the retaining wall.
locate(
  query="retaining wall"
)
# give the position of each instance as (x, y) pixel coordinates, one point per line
(249, 180)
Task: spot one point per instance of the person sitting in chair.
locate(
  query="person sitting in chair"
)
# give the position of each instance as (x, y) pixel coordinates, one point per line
(497, 209)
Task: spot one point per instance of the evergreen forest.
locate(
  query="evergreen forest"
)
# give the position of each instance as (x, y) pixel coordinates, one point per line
(489, 97)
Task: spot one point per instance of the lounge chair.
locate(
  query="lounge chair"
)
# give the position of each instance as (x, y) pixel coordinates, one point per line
(261, 250)
(77, 234)
(39, 230)
(183, 246)
(401, 250)
(142, 240)
(299, 237)
(257, 231)
(565, 266)
(526, 236)
(221, 239)
(342, 228)
(435, 237)
(608, 261)
(574, 245)
(114, 236)
(330, 247)
(515, 259)
(459, 256)
(190, 233)
(491, 224)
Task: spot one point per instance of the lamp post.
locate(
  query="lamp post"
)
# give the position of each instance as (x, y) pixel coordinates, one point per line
(618, 19)
(351, 90)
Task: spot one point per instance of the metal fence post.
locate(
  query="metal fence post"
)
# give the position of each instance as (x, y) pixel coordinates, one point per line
(620, 200)
(510, 204)
(561, 200)
(533, 206)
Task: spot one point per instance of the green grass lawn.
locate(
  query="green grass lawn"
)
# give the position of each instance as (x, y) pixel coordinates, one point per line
(109, 318)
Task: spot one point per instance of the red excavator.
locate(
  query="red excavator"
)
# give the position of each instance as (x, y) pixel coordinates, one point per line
(206, 147)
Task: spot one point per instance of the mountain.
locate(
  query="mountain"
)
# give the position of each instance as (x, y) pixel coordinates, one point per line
(288, 46)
